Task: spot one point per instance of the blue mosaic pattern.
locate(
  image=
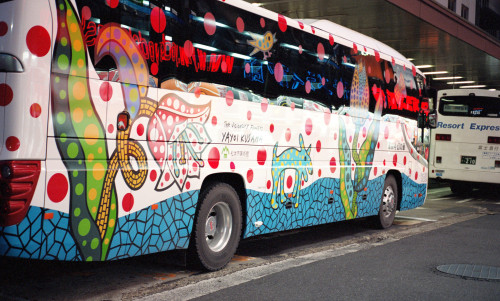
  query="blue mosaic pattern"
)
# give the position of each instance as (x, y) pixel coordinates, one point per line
(25, 239)
(413, 194)
(169, 226)
(150, 231)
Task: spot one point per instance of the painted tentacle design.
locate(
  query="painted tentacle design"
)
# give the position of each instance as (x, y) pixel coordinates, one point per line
(75, 116)
(112, 40)
(177, 138)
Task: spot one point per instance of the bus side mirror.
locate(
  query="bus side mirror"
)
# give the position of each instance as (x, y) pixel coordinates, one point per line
(432, 120)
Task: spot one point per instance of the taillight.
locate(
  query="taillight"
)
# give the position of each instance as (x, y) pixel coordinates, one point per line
(18, 181)
(495, 140)
(443, 137)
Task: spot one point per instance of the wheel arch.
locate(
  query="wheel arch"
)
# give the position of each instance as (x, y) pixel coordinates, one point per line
(237, 182)
(399, 180)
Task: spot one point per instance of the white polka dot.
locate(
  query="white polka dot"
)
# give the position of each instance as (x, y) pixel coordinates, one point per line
(176, 104)
(169, 102)
(153, 135)
(170, 120)
(162, 149)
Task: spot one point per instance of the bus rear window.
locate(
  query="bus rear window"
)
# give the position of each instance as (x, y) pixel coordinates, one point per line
(470, 106)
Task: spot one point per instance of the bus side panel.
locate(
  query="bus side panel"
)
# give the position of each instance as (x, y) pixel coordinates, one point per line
(29, 39)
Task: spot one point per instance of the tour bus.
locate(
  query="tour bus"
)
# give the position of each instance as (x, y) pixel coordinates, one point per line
(465, 145)
(131, 127)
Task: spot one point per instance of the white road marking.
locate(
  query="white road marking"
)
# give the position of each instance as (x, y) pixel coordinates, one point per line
(464, 201)
(417, 218)
(208, 286)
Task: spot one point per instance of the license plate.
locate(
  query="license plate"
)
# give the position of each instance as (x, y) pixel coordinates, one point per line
(468, 160)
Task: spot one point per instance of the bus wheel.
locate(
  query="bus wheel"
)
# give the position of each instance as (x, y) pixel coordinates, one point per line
(388, 204)
(217, 228)
(460, 188)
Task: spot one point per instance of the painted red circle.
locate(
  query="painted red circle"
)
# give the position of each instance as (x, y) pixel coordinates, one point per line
(158, 20)
(309, 126)
(377, 56)
(12, 143)
(154, 68)
(278, 72)
(232, 166)
(3, 29)
(57, 187)
(395, 159)
(249, 115)
(282, 23)
(197, 92)
(86, 13)
(271, 128)
(6, 95)
(38, 41)
(214, 120)
(35, 110)
(188, 48)
(188, 185)
(321, 51)
(262, 22)
(153, 175)
(140, 129)
(240, 24)
(414, 70)
(263, 105)
(404, 160)
(268, 184)
(261, 156)
(128, 202)
(214, 158)
(318, 146)
(229, 98)
(209, 23)
(112, 3)
(340, 90)
(332, 41)
(355, 47)
(250, 176)
(319, 173)
(289, 182)
(288, 135)
(308, 87)
(111, 128)
(106, 91)
(301, 25)
(375, 171)
(416, 176)
(333, 164)
(247, 68)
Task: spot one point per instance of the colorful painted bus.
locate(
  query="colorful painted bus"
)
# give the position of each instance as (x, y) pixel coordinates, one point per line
(465, 146)
(131, 127)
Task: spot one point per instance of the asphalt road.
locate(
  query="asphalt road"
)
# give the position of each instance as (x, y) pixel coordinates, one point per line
(347, 260)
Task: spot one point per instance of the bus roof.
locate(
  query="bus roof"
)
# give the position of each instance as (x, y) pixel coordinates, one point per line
(343, 35)
(462, 92)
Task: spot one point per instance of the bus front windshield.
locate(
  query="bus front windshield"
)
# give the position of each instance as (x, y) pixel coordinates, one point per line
(470, 106)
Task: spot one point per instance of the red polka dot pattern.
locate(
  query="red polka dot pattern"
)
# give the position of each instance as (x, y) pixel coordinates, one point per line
(38, 41)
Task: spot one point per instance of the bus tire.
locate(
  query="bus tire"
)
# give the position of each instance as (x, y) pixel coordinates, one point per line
(460, 188)
(217, 227)
(388, 204)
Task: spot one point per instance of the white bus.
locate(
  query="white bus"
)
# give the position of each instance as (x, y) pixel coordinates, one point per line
(131, 127)
(465, 145)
